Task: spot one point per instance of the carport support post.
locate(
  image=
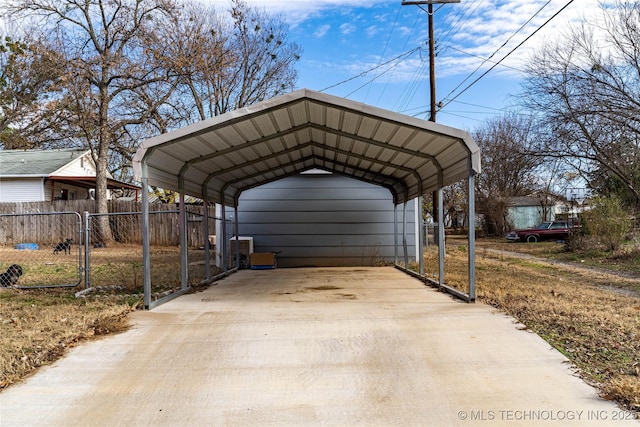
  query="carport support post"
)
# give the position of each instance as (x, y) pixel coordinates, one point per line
(395, 233)
(404, 235)
(184, 273)
(146, 258)
(237, 231)
(472, 235)
(420, 254)
(440, 232)
(207, 244)
(225, 256)
(87, 252)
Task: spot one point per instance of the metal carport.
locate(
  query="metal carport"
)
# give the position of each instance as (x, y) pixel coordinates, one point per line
(219, 158)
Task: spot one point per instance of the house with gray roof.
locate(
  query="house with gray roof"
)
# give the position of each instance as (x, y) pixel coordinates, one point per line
(529, 211)
(48, 175)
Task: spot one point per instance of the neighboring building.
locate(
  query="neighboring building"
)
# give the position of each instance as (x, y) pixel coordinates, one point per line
(323, 219)
(529, 211)
(47, 175)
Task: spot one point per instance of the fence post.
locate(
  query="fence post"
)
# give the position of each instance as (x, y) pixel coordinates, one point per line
(87, 242)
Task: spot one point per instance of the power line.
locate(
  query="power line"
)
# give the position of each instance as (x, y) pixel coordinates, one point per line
(443, 104)
(386, 45)
(480, 57)
(372, 80)
(499, 48)
(462, 17)
(410, 90)
(480, 106)
(364, 73)
(413, 28)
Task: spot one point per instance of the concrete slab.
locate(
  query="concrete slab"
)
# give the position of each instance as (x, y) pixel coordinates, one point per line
(330, 347)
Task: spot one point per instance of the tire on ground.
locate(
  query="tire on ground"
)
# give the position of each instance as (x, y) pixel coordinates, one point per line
(532, 238)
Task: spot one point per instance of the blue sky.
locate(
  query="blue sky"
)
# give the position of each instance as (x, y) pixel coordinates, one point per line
(344, 40)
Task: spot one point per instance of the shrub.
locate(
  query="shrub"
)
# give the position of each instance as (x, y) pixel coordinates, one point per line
(607, 221)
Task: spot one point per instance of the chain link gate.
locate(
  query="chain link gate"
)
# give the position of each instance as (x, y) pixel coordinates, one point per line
(41, 250)
(66, 249)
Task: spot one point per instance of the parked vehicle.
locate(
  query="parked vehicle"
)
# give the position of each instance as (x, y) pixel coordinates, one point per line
(548, 230)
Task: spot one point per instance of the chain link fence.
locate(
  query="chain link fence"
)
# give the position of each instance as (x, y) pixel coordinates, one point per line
(102, 254)
(41, 249)
(116, 264)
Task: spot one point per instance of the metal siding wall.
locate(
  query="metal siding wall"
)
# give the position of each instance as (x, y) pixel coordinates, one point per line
(323, 220)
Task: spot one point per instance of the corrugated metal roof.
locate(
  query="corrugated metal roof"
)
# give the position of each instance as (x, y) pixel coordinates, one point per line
(220, 157)
(36, 162)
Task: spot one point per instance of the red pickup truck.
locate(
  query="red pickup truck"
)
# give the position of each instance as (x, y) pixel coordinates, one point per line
(558, 230)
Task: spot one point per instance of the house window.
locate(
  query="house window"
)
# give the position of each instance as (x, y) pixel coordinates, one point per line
(64, 194)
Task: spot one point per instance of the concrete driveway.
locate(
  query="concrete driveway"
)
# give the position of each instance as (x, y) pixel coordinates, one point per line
(314, 347)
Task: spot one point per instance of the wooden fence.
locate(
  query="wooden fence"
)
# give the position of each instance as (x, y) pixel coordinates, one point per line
(125, 221)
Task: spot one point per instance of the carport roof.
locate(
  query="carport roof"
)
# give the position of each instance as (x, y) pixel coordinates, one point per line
(217, 159)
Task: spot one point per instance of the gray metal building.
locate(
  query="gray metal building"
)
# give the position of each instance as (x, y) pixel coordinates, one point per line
(323, 219)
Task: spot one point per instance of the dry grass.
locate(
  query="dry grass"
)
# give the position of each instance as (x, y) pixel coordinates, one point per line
(36, 327)
(590, 316)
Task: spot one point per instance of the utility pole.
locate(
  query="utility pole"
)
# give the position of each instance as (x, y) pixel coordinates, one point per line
(432, 50)
(432, 95)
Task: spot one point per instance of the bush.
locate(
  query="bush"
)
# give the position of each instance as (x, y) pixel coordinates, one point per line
(578, 241)
(607, 222)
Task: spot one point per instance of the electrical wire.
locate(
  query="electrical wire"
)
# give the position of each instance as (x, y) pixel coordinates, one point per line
(481, 57)
(446, 102)
(461, 16)
(499, 48)
(413, 28)
(412, 87)
(386, 45)
(364, 73)
(372, 80)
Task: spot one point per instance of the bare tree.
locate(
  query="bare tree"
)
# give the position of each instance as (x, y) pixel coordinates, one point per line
(135, 68)
(586, 88)
(508, 167)
(29, 76)
(103, 46)
(223, 60)
(228, 62)
(265, 59)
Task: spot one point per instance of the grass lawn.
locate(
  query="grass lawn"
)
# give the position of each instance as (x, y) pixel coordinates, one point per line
(590, 315)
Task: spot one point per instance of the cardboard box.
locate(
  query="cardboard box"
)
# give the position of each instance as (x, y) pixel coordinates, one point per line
(263, 260)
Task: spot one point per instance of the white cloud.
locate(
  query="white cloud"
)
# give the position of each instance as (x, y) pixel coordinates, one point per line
(347, 28)
(495, 29)
(297, 11)
(372, 30)
(321, 31)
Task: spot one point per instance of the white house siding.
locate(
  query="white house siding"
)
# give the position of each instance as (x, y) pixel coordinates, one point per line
(21, 190)
(323, 220)
(82, 166)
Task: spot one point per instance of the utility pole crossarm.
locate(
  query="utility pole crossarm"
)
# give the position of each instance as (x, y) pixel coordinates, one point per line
(430, 2)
